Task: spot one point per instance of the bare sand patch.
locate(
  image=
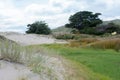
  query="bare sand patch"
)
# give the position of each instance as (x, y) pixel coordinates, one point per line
(14, 71)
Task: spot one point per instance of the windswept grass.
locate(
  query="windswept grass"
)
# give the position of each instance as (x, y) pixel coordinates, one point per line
(40, 62)
(10, 51)
(34, 58)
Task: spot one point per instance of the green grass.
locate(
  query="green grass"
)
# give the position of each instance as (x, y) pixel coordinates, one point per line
(105, 64)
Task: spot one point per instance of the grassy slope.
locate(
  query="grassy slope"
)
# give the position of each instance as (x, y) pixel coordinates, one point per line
(104, 63)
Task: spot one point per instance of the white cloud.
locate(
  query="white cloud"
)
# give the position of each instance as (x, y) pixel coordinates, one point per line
(54, 12)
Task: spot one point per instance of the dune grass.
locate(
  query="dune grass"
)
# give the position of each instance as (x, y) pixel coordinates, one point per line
(10, 51)
(31, 57)
(101, 64)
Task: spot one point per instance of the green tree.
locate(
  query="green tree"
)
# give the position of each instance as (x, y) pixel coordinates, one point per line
(84, 19)
(38, 27)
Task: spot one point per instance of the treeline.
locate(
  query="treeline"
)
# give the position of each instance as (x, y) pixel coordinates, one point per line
(85, 22)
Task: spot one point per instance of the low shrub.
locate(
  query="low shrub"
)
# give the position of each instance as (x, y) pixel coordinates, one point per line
(64, 36)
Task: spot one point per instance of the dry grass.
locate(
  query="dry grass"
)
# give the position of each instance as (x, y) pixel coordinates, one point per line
(107, 44)
(96, 43)
(82, 42)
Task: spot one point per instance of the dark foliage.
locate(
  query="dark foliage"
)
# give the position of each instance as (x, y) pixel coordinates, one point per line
(39, 27)
(108, 28)
(84, 19)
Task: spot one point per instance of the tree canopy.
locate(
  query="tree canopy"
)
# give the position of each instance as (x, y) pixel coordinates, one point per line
(38, 27)
(84, 19)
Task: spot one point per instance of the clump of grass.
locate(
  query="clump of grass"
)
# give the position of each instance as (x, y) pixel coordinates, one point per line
(22, 78)
(36, 63)
(107, 44)
(82, 42)
(10, 51)
(35, 59)
(74, 43)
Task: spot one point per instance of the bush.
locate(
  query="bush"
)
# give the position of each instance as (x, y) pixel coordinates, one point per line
(39, 27)
(64, 36)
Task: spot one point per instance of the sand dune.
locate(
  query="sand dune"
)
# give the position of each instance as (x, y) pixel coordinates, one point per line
(15, 71)
(30, 39)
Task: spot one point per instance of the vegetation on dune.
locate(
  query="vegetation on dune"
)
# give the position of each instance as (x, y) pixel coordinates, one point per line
(9, 50)
(34, 58)
(38, 27)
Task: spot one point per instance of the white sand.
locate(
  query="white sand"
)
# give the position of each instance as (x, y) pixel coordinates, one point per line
(13, 71)
(30, 39)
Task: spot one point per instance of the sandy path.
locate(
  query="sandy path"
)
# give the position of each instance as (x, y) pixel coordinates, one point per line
(30, 39)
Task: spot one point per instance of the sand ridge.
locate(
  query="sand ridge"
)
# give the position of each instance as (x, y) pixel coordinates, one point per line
(30, 39)
(15, 71)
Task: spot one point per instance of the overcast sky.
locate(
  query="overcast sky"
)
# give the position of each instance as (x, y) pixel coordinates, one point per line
(16, 14)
